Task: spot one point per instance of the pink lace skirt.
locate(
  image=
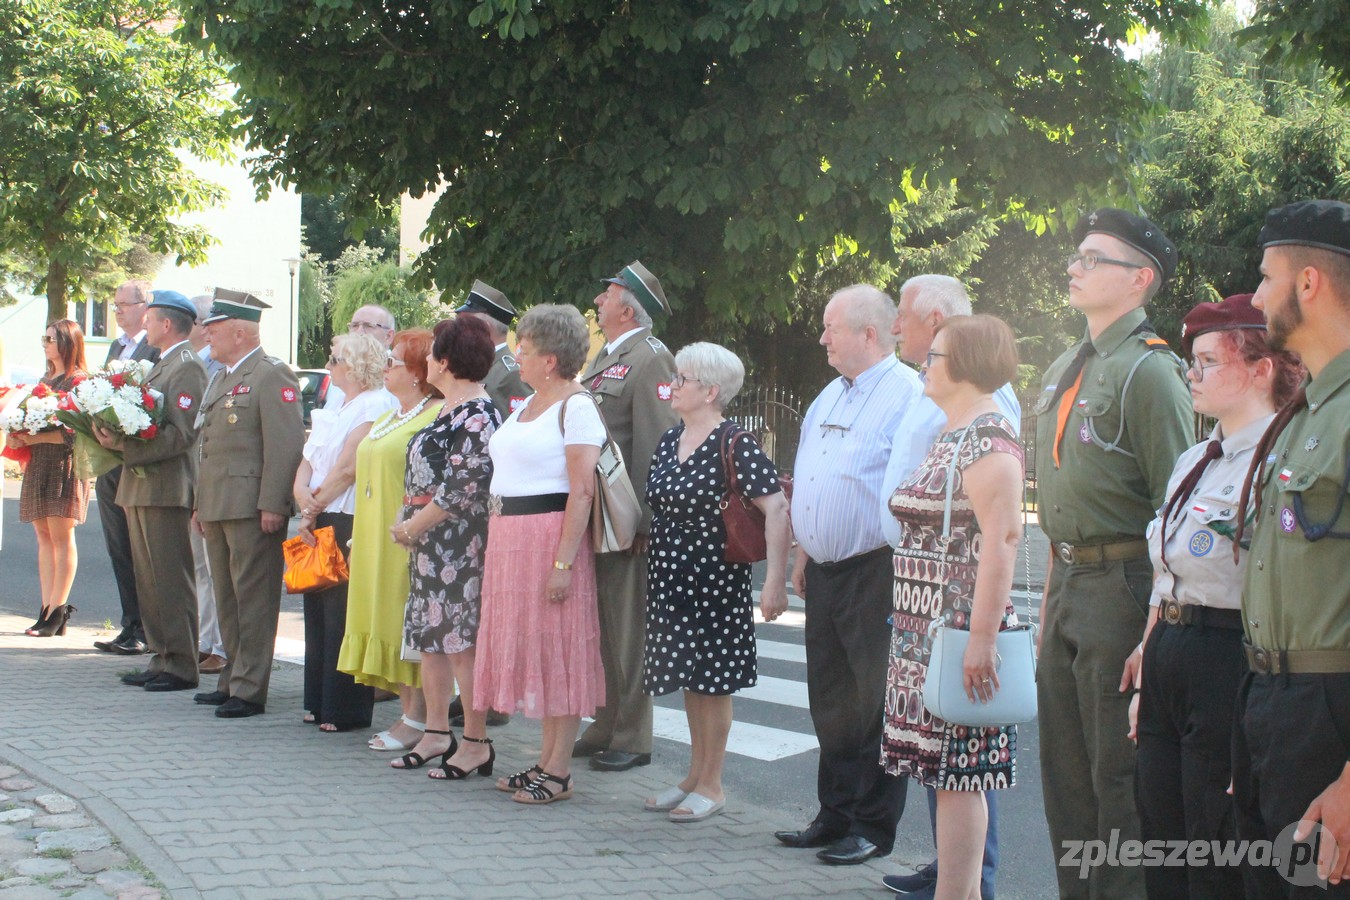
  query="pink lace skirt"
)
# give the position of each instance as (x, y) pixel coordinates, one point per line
(536, 656)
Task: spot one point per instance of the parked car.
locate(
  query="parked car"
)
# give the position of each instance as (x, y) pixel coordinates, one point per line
(313, 389)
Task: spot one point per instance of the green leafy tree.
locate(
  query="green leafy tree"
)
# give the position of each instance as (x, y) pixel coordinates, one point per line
(98, 102)
(387, 285)
(1306, 32)
(739, 147)
(328, 233)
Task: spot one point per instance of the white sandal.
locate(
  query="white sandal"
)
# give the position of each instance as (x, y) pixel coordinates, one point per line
(667, 800)
(385, 742)
(699, 806)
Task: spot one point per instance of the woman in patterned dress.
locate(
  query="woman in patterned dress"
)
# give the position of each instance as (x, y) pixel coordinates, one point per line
(52, 498)
(966, 578)
(700, 620)
(444, 529)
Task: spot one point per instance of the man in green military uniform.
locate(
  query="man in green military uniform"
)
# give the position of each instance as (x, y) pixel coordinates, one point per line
(1113, 416)
(155, 490)
(503, 382)
(1293, 729)
(248, 451)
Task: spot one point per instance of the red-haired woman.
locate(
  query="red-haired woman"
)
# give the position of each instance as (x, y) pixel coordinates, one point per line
(52, 498)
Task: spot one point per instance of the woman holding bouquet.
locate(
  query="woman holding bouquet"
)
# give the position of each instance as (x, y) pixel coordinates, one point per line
(52, 498)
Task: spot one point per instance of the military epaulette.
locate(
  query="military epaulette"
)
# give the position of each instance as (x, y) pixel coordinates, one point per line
(274, 361)
(510, 362)
(655, 343)
(187, 354)
(1155, 342)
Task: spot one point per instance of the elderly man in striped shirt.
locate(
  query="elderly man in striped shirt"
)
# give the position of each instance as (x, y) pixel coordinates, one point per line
(843, 571)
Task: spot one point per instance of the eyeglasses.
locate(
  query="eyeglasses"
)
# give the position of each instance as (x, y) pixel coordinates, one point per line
(932, 354)
(391, 361)
(1090, 261)
(1197, 370)
(681, 379)
(366, 326)
(122, 306)
(336, 361)
(48, 339)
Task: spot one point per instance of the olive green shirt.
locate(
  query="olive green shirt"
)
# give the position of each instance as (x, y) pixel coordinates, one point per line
(1297, 592)
(1097, 494)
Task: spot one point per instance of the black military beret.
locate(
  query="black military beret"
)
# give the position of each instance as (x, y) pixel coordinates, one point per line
(1324, 224)
(1138, 232)
(1235, 312)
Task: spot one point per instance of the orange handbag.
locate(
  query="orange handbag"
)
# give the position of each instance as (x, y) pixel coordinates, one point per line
(317, 568)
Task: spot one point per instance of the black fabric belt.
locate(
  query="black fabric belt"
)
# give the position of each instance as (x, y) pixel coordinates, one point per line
(533, 505)
(1091, 554)
(861, 559)
(1174, 613)
(1296, 662)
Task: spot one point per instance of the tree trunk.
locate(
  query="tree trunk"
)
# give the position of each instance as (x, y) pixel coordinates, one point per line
(57, 278)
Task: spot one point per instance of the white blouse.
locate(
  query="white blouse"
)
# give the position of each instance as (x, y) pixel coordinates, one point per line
(329, 430)
(530, 458)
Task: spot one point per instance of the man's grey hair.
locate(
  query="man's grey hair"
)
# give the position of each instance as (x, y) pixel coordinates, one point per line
(640, 314)
(203, 303)
(938, 293)
(864, 305)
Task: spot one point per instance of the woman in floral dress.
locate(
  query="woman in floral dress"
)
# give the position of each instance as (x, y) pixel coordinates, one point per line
(964, 576)
(444, 528)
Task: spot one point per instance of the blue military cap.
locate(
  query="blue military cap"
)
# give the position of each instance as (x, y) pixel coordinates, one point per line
(1138, 232)
(172, 300)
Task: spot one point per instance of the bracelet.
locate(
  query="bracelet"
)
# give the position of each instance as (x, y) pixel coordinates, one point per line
(562, 566)
(407, 535)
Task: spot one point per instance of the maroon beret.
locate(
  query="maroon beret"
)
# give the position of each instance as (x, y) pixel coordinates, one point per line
(1230, 313)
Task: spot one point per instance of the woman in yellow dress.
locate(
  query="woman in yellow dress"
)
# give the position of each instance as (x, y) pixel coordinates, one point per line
(372, 647)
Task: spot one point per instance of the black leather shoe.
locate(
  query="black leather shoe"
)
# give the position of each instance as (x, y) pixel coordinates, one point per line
(619, 760)
(211, 698)
(129, 646)
(140, 679)
(235, 708)
(849, 851)
(813, 835)
(584, 747)
(108, 646)
(168, 682)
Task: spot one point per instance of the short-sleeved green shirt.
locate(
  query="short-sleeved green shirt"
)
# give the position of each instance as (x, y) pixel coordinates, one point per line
(1297, 591)
(1098, 494)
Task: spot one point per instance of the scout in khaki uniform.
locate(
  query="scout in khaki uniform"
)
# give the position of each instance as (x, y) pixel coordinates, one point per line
(249, 449)
(1113, 417)
(155, 490)
(1293, 733)
(503, 382)
(630, 378)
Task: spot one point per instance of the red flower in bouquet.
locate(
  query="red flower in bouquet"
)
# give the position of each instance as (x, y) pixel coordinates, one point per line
(149, 433)
(117, 380)
(40, 390)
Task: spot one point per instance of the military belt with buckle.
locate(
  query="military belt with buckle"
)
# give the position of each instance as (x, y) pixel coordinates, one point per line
(1092, 554)
(1174, 613)
(1297, 662)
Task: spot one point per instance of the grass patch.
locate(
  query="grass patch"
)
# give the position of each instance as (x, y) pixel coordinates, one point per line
(59, 853)
(605, 851)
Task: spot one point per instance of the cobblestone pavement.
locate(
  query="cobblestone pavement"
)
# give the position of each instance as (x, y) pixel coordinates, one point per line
(151, 794)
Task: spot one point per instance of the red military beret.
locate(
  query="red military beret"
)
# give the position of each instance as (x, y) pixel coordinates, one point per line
(1230, 313)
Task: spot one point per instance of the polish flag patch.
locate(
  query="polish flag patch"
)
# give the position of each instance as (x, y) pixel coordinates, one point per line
(185, 401)
(1286, 474)
(288, 395)
(663, 391)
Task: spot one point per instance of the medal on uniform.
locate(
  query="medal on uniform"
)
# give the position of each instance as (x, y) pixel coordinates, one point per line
(229, 402)
(1311, 445)
(231, 418)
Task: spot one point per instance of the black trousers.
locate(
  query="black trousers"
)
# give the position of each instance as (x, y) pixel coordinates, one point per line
(117, 534)
(1291, 741)
(1183, 765)
(847, 653)
(334, 697)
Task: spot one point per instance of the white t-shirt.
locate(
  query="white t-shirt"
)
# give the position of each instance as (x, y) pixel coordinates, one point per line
(328, 433)
(530, 458)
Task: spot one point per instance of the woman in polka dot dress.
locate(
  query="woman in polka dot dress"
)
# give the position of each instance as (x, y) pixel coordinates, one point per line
(700, 623)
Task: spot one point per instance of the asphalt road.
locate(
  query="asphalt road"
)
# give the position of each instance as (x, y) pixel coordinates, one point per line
(771, 721)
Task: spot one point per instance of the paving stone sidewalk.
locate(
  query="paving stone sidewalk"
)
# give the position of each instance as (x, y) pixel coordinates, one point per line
(195, 806)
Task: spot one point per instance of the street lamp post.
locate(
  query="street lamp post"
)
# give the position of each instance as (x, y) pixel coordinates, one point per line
(293, 264)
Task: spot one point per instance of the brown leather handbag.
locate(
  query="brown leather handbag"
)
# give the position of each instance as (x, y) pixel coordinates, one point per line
(743, 520)
(318, 568)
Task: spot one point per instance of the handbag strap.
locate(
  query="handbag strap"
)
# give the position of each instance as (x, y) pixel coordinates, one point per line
(728, 444)
(951, 481)
(562, 412)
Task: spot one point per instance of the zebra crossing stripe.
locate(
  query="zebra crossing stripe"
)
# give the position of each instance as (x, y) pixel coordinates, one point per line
(745, 739)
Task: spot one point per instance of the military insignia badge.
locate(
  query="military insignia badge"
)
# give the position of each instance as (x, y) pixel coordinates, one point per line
(517, 403)
(185, 401)
(617, 372)
(288, 395)
(1311, 445)
(663, 391)
(1287, 520)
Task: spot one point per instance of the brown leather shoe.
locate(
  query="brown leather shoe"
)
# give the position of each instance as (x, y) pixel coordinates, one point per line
(211, 665)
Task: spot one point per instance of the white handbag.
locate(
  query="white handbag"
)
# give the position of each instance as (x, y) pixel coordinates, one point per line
(944, 686)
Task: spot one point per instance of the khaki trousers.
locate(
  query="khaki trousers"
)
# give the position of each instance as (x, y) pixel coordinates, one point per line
(625, 721)
(246, 568)
(161, 553)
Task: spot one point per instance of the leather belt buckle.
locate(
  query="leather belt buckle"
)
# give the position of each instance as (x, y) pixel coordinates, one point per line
(1065, 552)
(1171, 612)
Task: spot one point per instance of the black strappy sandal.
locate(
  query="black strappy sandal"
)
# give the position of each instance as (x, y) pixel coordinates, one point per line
(455, 773)
(415, 760)
(538, 792)
(520, 780)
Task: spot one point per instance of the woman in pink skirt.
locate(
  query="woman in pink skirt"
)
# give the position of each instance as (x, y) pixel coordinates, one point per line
(539, 636)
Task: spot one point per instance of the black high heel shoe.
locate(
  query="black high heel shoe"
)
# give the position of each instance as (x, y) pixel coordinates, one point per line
(41, 620)
(55, 623)
(416, 760)
(455, 773)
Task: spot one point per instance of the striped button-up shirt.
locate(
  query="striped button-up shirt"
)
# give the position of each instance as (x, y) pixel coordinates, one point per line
(841, 460)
